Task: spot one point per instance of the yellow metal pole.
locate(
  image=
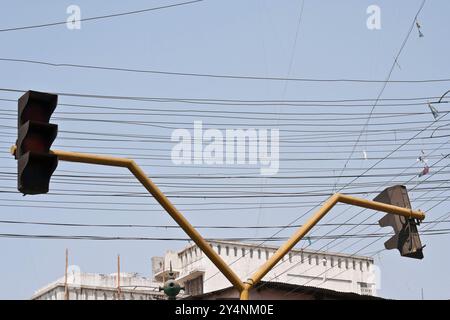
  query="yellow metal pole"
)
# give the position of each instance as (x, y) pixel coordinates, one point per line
(244, 294)
(163, 201)
(304, 229)
(380, 206)
(293, 240)
(243, 288)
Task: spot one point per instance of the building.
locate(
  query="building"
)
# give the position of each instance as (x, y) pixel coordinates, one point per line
(90, 286)
(282, 291)
(303, 269)
(319, 269)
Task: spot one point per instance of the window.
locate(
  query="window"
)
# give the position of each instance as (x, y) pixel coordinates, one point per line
(267, 254)
(194, 286)
(227, 251)
(105, 297)
(360, 266)
(219, 249)
(259, 253)
(332, 262)
(235, 251)
(368, 265)
(302, 257)
(365, 288)
(243, 252)
(339, 263)
(346, 264)
(290, 257)
(317, 260)
(324, 261)
(309, 259)
(251, 253)
(354, 265)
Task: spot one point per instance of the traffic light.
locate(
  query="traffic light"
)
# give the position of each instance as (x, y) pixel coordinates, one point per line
(35, 164)
(406, 238)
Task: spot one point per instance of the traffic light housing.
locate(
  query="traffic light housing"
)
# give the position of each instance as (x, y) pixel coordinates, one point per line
(35, 163)
(406, 238)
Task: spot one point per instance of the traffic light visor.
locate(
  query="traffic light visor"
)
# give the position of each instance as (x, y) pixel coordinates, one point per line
(34, 172)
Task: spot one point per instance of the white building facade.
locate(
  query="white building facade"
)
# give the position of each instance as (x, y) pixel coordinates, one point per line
(339, 272)
(92, 286)
(198, 275)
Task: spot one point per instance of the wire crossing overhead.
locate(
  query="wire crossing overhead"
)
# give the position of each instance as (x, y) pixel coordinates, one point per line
(212, 75)
(58, 23)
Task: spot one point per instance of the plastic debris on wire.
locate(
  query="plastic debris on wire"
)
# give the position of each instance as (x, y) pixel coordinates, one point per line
(418, 29)
(422, 159)
(365, 154)
(434, 111)
(425, 171)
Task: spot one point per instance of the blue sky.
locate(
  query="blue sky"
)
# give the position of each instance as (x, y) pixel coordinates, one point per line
(258, 38)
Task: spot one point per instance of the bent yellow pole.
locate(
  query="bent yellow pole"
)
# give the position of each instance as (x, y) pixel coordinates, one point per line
(242, 287)
(163, 201)
(304, 229)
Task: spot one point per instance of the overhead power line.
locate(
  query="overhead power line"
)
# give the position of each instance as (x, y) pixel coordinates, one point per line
(352, 228)
(213, 75)
(115, 238)
(383, 87)
(222, 101)
(15, 222)
(115, 15)
(211, 194)
(307, 212)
